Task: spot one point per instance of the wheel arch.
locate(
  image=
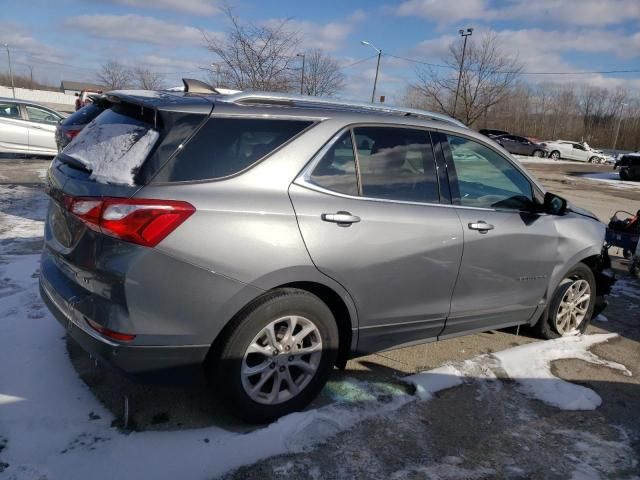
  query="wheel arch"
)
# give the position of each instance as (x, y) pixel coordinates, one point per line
(337, 299)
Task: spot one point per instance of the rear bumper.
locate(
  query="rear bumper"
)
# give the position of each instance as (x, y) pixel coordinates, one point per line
(157, 364)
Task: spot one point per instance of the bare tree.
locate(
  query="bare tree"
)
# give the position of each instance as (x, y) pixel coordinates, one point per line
(487, 76)
(322, 74)
(114, 75)
(147, 79)
(255, 56)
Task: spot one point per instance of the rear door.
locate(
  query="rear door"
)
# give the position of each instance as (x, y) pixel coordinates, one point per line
(371, 219)
(509, 252)
(14, 132)
(42, 127)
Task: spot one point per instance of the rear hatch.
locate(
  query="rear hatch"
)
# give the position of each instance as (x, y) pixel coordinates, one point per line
(91, 185)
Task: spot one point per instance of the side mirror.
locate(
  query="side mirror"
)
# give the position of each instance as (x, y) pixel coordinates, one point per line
(554, 205)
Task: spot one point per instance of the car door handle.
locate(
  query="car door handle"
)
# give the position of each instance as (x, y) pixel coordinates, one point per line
(481, 226)
(344, 219)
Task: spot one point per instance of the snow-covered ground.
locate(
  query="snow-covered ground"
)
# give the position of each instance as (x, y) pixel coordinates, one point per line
(52, 426)
(612, 179)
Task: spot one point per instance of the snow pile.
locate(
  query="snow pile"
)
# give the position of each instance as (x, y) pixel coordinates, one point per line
(113, 151)
(530, 366)
(612, 179)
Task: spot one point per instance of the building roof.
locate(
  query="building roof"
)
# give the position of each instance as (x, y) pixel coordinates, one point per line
(68, 85)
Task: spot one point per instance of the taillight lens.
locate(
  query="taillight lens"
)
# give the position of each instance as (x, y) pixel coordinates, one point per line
(121, 337)
(71, 134)
(142, 221)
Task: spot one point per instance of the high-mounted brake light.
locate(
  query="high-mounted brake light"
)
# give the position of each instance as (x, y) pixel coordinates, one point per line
(142, 221)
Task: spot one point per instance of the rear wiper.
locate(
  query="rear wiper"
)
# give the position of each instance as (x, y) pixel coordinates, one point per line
(72, 162)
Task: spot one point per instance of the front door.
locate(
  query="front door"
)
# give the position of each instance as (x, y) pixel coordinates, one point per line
(14, 132)
(509, 252)
(371, 219)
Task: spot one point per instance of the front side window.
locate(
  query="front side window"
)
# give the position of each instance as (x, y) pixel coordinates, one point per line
(336, 170)
(9, 110)
(396, 164)
(41, 115)
(225, 146)
(486, 179)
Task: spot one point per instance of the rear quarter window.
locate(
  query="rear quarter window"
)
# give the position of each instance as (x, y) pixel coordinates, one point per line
(226, 146)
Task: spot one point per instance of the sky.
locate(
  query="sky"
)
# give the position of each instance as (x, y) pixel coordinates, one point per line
(69, 39)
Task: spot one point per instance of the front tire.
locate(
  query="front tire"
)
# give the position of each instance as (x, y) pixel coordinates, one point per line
(555, 155)
(594, 160)
(571, 307)
(538, 153)
(277, 355)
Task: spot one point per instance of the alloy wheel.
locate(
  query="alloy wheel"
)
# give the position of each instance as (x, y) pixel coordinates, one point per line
(573, 308)
(281, 360)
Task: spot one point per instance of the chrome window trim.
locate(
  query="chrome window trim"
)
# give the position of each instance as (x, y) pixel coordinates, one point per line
(304, 177)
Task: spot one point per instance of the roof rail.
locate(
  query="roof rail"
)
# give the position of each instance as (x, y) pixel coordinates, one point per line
(287, 99)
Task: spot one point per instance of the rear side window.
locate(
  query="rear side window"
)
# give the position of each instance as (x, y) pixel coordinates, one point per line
(337, 169)
(396, 164)
(225, 146)
(84, 115)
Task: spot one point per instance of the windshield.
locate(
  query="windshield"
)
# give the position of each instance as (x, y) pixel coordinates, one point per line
(113, 147)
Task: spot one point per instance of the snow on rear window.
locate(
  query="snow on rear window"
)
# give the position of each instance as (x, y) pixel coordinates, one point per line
(113, 147)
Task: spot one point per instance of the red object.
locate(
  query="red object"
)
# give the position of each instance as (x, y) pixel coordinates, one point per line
(141, 221)
(122, 337)
(71, 134)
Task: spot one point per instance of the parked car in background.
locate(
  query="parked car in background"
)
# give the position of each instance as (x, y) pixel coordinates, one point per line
(520, 145)
(566, 149)
(67, 129)
(247, 237)
(629, 165)
(85, 97)
(491, 133)
(27, 127)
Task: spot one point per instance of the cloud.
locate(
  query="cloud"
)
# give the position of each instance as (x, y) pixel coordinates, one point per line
(22, 44)
(195, 7)
(329, 36)
(138, 28)
(567, 12)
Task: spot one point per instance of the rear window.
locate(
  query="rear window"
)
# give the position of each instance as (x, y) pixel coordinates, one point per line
(225, 146)
(113, 147)
(84, 115)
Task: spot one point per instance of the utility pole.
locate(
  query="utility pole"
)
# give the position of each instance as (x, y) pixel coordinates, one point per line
(302, 74)
(375, 81)
(464, 34)
(615, 138)
(30, 75)
(13, 88)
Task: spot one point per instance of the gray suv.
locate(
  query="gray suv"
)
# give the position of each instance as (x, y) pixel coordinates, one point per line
(265, 238)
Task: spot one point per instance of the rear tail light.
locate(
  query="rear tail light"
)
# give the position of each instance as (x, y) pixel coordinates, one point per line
(71, 134)
(142, 221)
(112, 334)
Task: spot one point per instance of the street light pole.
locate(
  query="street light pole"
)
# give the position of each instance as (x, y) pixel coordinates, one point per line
(464, 34)
(615, 138)
(13, 88)
(375, 80)
(302, 74)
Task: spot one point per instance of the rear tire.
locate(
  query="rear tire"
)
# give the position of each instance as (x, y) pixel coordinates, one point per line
(624, 175)
(566, 313)
(269, 337)
(555, 155)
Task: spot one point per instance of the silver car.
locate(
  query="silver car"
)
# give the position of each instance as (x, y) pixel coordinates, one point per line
(264, 239)
(27, 127)
(581, 152)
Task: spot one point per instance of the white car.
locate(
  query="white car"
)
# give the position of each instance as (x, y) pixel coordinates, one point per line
(27, 127)
(566, 149)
